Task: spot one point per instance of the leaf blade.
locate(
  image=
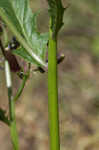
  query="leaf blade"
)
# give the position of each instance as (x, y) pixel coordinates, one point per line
(25, 23)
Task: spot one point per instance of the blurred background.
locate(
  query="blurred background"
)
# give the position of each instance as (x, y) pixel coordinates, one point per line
(78, 85)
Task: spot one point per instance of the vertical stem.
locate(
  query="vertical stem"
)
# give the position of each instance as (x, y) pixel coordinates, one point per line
(13, 129)
(53, 93)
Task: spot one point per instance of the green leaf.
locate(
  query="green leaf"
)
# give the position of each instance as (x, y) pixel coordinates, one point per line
(56, 11)
(3, 117)
(21, 17)
(24, 54)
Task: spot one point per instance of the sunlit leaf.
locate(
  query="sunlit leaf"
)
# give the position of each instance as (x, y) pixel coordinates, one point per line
(20, 15)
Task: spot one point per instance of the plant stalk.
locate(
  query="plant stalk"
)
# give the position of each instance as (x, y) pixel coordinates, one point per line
(13, 130)
(53, 93)
(20, 90)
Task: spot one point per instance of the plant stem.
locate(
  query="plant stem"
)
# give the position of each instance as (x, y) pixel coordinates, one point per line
(13, 130)
(53, 93)
(20, 90)
(25, 78)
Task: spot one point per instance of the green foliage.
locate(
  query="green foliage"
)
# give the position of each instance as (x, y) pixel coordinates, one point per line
(23, 23)
(3, 117)
(21, 17)
(56, 11)
(24, 54)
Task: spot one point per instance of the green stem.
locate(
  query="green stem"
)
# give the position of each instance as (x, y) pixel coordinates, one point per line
(13, 130)
(53, 93)
(25, 78)
(20, 90)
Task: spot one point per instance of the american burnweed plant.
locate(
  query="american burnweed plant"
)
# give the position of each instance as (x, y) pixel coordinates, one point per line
(32, 47)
